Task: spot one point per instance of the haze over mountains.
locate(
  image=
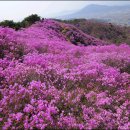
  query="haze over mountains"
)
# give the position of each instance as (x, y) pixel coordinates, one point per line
(119, 14)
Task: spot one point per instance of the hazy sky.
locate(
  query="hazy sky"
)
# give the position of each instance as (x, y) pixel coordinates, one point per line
(17, 10)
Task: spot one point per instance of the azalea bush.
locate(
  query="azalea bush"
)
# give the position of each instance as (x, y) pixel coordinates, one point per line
(46, 82)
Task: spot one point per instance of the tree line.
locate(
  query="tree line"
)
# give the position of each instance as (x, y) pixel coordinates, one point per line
(26, 22)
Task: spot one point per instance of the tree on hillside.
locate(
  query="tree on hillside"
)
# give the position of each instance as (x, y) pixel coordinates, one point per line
(30, 20)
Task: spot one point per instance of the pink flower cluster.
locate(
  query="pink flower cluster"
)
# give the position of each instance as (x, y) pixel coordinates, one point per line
(46, 82)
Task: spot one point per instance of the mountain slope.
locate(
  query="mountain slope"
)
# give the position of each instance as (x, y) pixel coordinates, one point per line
(48, 83)
(65, 32)
(105, 31)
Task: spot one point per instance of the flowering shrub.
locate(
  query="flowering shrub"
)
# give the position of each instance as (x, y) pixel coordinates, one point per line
(46, 82)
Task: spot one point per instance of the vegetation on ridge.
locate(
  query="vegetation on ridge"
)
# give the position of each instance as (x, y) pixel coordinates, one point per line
(105, 31)
(23, 24)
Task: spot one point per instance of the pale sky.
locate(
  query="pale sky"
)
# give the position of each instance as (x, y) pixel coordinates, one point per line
(17, 10)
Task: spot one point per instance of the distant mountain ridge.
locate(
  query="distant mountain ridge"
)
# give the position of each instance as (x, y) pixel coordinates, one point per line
(115, 14)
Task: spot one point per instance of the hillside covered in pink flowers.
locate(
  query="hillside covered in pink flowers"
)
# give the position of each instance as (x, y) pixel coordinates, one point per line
(54, 76)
